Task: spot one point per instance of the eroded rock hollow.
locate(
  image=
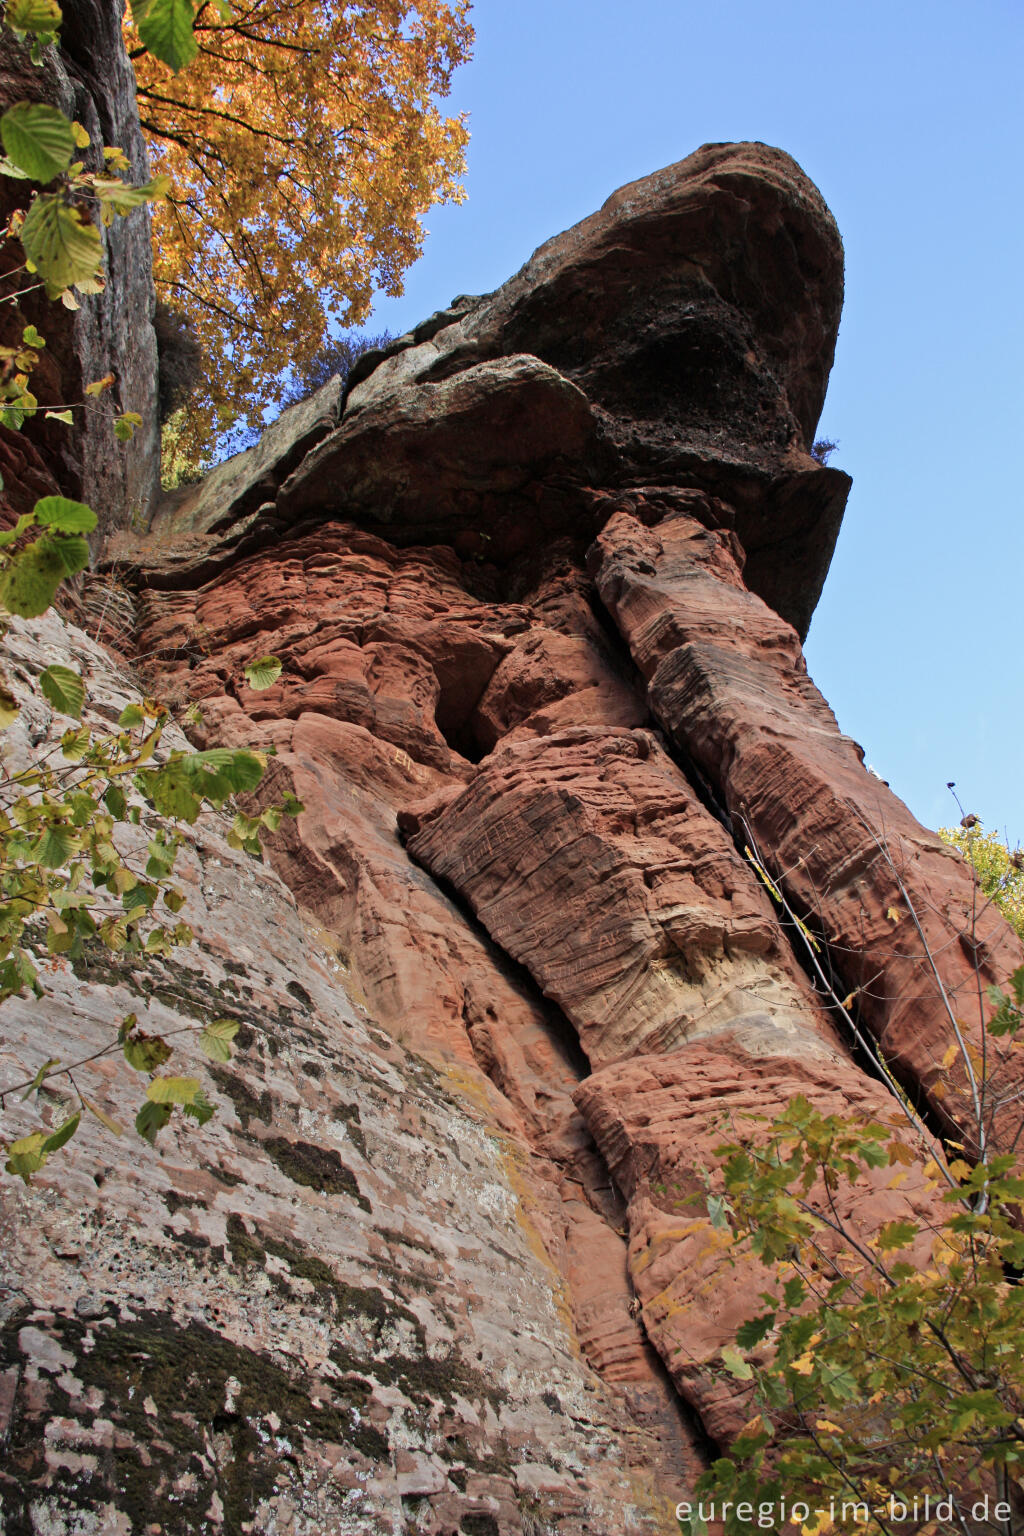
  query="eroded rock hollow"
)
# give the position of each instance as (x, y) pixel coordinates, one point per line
(539, 582)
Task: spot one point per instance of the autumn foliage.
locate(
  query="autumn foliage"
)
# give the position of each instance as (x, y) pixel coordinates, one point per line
(303, 143)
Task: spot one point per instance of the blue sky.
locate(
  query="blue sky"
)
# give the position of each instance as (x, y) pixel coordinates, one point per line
(908, 115)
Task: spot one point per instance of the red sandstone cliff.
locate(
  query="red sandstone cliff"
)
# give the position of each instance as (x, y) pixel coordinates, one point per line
(538, 584)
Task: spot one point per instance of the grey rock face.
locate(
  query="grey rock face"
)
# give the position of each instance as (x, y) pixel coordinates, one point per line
(329, 1310)
(91, 79)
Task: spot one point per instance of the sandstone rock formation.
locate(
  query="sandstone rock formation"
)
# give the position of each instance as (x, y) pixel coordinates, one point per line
(339, 1306)
(538, 586)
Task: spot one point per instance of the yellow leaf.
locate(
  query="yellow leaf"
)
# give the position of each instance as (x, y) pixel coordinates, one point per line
(951, 1053)
(103, 1117)
(343, 149)
(894, 914)
(817, 1524)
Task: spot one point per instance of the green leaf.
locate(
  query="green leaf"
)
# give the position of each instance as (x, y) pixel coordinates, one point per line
(735, 1363)
(896, 1234)
(170, 797)
(38, 139)
(115, 801)
(103, 1117)
(717, 1208)
(755, 1330)
(35, 1084)
(172, 1090)
(67, 417)
(31, 337)
(63, 689)
(12, 535)
(222, 771)
(263, 673)
(114, 933)
(40, 16)
(63, 248)
(165, 26)
(146, 1052)
(793, 1292)
(150, 1119)
(124, 198)
(54, 847)
(199, 1108)
(64, 516)
(9, 706)
(216, 1038)
(16, 974)
(130, 716)
(123, 430)
(161, 859)
(30, 582)
(60, 938)
(142, 896)
(63, 1134)
(27, 1156)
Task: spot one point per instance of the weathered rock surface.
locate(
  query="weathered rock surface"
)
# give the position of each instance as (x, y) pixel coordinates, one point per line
(90, 78)
(333, 1308)
(529, 774)
(436, 458)
(657, 1121)
(680, 336)
(587, 857)
(899, 910)
(235, 500)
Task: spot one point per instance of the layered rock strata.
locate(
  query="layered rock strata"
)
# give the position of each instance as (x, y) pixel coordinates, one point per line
(538, 584)
(341, 1305)
(459, 671)
(905, 929)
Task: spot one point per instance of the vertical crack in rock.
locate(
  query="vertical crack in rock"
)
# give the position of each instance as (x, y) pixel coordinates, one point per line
(587, 857)
(335, 1306)
(728, 682)
(388, 659)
